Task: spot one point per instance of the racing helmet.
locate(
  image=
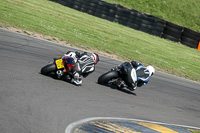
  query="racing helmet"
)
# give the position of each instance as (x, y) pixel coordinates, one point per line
(151, 70)
(96, 58)
(68, 62)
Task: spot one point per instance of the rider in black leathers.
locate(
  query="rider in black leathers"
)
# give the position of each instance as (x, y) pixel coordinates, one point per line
(143, 74)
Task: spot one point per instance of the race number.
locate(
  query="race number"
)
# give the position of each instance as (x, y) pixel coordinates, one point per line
(59, 64)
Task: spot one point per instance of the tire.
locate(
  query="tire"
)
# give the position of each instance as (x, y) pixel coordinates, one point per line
(191, 34)
(48, 69)
(147, 22)
(62, 2)
(121, 18)
(160, 21)
(173, 29)
(174, 26)
(147, 26)
(136, 26)
(112, 11)
(170, 38)
(90, 12)
(69, 3)
(157, 28)
(131, 25)
(132, 16)
(189, 44)
(103, 16)
(77, 3)
(97, 14)
(186, 39)
(176, 34)
(140, 15)
(160, 25)
(102, 3)
(123, 12)
(77, 7)
(146, 30)
(107, 76)
(110, 18)
(157, 33)
(150, 18)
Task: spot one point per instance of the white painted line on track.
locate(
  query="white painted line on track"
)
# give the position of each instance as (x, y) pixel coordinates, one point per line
(73, 125)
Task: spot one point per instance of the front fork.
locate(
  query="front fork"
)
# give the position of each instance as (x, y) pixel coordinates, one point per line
(59, 73)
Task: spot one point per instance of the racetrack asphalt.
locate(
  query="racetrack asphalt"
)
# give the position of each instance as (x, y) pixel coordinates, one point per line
(31, 102)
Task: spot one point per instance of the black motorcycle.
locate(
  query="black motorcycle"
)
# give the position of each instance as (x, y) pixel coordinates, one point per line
(118, 77)
(53, 67)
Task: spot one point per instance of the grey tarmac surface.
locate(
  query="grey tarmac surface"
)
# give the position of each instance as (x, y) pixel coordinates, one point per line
(31, 102)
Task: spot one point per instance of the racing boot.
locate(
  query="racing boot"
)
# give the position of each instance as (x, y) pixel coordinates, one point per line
(76, 79)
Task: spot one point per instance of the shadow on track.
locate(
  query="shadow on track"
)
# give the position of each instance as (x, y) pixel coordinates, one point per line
(54, 76)
(120, 89)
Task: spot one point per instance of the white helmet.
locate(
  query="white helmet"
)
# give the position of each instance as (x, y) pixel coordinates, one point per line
(151, 70)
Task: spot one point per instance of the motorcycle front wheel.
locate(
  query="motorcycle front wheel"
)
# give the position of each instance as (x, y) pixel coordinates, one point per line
(48, 69)
(107, 76)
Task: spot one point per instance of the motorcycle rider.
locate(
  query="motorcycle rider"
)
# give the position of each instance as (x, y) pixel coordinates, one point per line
(80, 64)
(143, 74)
(75, 55)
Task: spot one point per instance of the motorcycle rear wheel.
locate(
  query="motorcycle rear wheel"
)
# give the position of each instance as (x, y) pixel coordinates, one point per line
(48, 69)
(107, 76)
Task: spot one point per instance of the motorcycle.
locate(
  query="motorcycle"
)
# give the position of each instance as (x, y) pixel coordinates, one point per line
(85, 65)
(117, 77)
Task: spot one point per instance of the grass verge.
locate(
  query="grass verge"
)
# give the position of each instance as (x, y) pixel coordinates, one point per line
(194, 131)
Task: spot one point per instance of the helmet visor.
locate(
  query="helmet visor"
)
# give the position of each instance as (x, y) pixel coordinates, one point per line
(69, 60)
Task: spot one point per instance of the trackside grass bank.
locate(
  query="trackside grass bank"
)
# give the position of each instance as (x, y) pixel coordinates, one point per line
(89, 32)
(182, 12)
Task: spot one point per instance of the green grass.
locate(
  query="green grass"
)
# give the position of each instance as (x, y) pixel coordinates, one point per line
(194, 131)
(182, 12)
(86, 31)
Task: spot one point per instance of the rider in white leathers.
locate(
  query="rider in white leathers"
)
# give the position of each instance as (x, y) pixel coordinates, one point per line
(82, 64)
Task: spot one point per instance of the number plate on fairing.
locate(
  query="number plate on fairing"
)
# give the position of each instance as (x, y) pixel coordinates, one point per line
(59, 64)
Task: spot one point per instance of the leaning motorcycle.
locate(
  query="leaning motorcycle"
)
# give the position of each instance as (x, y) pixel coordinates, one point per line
(58, 67)
(117, 77)
(53, 67)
